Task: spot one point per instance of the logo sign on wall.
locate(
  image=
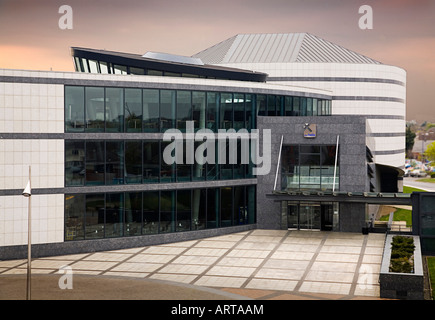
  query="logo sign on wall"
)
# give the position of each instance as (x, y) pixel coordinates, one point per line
(310, 130)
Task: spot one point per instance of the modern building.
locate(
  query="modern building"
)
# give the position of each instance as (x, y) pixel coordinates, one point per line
(249, 120)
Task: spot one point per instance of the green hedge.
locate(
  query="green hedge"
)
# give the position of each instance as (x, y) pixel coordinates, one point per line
(402, 251)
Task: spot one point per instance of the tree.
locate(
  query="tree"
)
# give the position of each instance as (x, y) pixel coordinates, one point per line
(430, 152)
(410, 137)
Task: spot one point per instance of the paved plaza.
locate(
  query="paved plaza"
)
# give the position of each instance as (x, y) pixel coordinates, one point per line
(258, 264)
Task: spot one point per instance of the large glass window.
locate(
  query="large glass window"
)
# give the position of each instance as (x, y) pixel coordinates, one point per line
(198, 110)
(151, 161)
(74, 217)
(240, 209)
(226, 199)
(309, 167)
(114, 220)
(94, 223)
(199, 209)
(167, 109)
(239, 112)
(133, 110)
(150, 212)
(212, 208)
(262, 104)
(133, 161)
(114, 162)
(74, 163)
(114, 110)
(95, 162)
(226, 111)
(94, 106)
(151, 110)
(184, 109)
(167, 211)
(133, 213)
(74, 109)
(184, 210)
(212, 111)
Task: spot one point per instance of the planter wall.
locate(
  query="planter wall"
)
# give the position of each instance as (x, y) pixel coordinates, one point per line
(394, 285)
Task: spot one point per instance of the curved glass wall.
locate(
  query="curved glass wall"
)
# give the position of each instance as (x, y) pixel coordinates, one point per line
(123, 214)
(107, 109)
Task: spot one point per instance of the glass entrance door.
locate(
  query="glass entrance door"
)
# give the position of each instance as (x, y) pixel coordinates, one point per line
(293, 215)
(309, 216)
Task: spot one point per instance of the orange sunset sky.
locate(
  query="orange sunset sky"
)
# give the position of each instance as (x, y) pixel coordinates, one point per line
(403, 32)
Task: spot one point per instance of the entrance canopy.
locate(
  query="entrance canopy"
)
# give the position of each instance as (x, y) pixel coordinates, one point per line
(354, 197)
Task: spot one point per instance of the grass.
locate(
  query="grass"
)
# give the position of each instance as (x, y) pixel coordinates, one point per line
(400, 215)
(411, 189)
(431, 267)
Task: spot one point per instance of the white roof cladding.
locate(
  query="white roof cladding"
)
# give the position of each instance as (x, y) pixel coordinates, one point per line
(281, 48)
(173, 58)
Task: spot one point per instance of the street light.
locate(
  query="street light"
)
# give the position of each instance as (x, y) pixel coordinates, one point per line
(27, 192)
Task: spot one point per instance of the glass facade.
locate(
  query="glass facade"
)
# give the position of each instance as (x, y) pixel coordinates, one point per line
(122, 214)
(118, 162)
(309, 167)
(106, 109)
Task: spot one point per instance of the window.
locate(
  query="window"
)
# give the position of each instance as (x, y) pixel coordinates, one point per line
(103, 67)
(114, 110)
(93, 66)
(199, 209)
(184, 109)
(167, 109)
(296, 106)
(198, 110)
(74, 217)
(308, 167)
(133, 162)
(226, 206)
(94, 219)
(226, 111)
(167, 211)
(133, 110)
(114, 162)
(151, 161)
(74, 109)
(94, 106)
(261, 104)
(114, 218)
(137, 71)
(212, 111)
(117, 69)
(240, 209)
(239, 112)
(74, 163)
(133, 213)
(184, 210)
(271, 106)
(94, 163)
(151, 110)
(212, 208)
(167, 171)
(150, 212)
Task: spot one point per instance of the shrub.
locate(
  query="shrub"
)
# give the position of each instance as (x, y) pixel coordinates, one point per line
(402, 250)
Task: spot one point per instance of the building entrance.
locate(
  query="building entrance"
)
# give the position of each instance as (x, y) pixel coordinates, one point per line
(310, 215)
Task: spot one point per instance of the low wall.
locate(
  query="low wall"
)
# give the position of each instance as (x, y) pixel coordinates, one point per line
(393, 285)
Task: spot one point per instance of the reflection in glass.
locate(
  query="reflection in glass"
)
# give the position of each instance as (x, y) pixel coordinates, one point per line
(74, 163)
(133, 213)
(167, 109)
(167, 211)
(133, 162)
(74, 109)
(114, 215)
(74, 217)
(184, 210)
(151, 165)
(184, 109)
(94, 106)
(226, 206)
(133, 110)
(93, 66)
(239, 112)
(261, 104)
(198, 110)
(94, 217)
(212, 111)
(114, 110)
(151, 113)
(199, 209)
(114, 162)
(94, 162)
(150, 212)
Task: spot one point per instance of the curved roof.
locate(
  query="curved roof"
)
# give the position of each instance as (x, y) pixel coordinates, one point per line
(286, 47)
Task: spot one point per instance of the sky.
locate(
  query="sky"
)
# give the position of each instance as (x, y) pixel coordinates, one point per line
(403, 32)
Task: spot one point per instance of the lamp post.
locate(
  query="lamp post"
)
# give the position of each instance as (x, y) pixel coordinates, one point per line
(28, 194)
